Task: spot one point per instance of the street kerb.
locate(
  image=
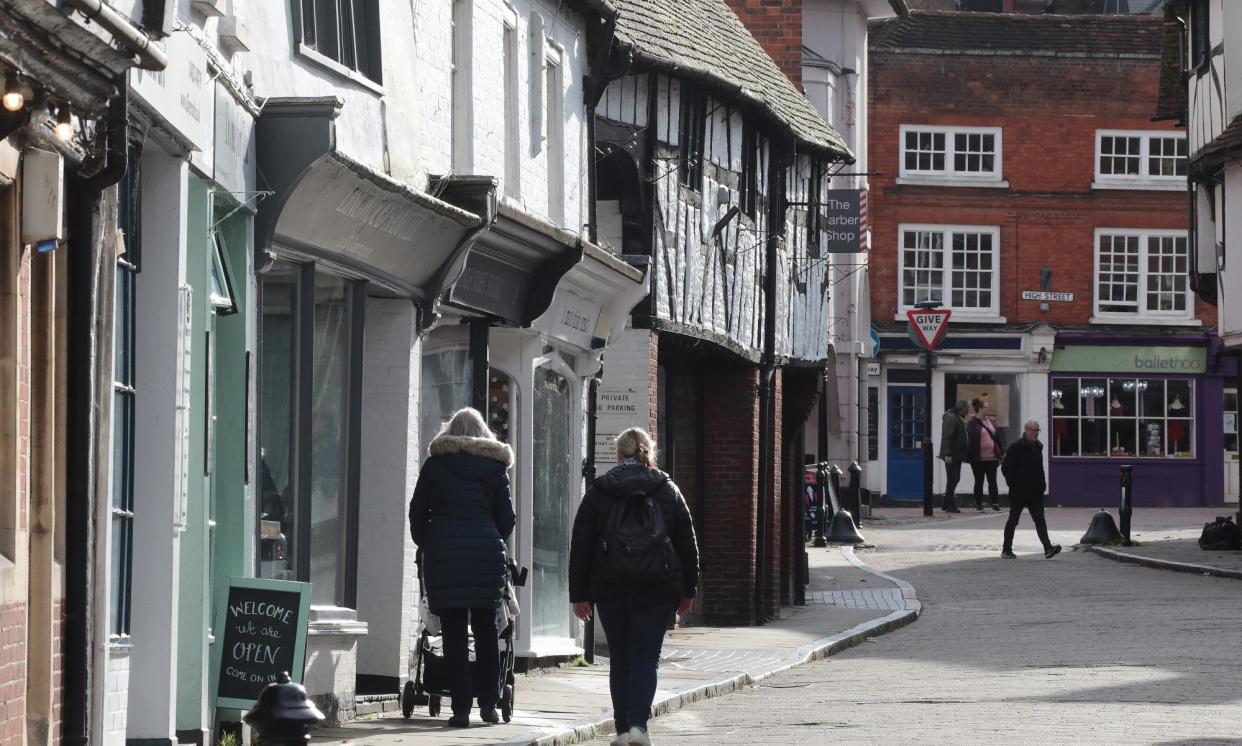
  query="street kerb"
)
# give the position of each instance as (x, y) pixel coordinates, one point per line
(1163, 564)
(813, 651)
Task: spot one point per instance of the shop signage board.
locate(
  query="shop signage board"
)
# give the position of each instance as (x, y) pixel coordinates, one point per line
(928, 326)
(234, 146)
(1047, 295)
(575, 319)
(176, 95)
(261, 633)
(1140, 361)
(842, 231)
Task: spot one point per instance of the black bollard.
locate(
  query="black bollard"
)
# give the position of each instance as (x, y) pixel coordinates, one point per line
(1102, 530)
(855, 491)
(834, 494)
(283, 715)
(1127, 502)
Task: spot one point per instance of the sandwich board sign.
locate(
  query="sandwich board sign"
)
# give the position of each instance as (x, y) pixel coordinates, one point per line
(928, 326)
(261, 633)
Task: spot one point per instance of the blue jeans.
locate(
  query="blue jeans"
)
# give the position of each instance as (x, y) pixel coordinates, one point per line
(635, 628)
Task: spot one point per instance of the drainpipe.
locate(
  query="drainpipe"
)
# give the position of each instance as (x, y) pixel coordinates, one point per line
(150, 57)
(588, 475)
(86, 338)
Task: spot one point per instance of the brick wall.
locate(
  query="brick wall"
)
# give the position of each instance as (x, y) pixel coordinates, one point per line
(1049, 109)
(12, 673)
(777, 25)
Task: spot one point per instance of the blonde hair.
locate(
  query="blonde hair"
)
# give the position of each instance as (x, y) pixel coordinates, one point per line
(635, 443)
(467, 422)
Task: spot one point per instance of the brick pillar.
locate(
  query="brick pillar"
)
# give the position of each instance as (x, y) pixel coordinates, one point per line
(777, 26)
(731, 493)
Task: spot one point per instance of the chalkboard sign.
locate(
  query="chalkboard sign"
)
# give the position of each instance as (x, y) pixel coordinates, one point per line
(260, 632)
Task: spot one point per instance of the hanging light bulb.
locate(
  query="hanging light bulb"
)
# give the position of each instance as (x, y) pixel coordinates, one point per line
(64, 125)
(13, 98)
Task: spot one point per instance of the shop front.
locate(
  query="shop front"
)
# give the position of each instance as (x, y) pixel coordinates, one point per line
(350, 264)
(1153, 403)
(522, 332)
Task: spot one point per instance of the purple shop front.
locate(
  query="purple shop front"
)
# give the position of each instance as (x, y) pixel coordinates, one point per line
(1151, 401)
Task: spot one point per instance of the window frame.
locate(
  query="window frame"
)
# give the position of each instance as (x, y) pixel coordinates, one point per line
(303, 298)
(511, 70)
(1142, 313)
(1143, 179)
(366, 69)
(949, 173)
(948, 231)
(554, 114)
(693, 137)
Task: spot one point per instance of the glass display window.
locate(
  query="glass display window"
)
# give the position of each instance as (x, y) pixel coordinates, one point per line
(1120, 417)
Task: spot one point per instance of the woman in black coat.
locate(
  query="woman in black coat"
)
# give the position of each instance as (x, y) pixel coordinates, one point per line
(636, 506)
(460, 517)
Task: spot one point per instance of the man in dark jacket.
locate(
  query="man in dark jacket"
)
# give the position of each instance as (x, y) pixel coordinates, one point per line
(1023, 468)
(954, 448)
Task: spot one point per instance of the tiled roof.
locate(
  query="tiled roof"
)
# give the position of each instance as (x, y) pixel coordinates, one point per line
(704, 39)
(1226, 145)
(1019, 34)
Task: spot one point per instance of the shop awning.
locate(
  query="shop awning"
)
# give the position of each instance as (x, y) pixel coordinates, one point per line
(594, 300)
(514, 267)
(331, 209)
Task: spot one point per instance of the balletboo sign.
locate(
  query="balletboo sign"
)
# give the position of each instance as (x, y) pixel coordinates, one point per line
(1137, 360)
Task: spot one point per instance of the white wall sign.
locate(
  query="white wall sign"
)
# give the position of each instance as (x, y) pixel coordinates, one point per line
(572, 318)
(43, 190)
(180, 94)
(873, 369)
(1045, 295)
(234, 145)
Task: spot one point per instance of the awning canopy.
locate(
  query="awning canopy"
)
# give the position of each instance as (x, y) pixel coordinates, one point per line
(331, 209)
(514, 266)
(594, 300)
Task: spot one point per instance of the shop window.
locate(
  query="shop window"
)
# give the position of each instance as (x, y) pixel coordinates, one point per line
(1142, 274)
(956, 266)
(1136, 157)
(966, 153)
(1123, 417)
(446, 387)
(502, 405)
(342, 32)
(555, 485)
(124, 395)
(310, 385)
(873, 423)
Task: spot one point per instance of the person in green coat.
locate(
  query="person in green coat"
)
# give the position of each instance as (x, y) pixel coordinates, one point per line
(954, 449)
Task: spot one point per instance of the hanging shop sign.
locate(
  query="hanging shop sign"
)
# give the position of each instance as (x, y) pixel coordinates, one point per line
(264, 635)
(842, 230)
(234, 146)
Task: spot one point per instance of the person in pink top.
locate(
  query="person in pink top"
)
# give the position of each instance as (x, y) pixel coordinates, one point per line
(987, 448)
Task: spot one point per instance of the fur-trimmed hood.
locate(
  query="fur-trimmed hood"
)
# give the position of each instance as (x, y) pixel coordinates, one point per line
(484, 447)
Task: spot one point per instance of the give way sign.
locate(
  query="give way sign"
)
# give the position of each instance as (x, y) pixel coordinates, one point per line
(929, 325)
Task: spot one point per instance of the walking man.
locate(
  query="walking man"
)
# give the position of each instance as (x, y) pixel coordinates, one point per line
(1023, 468)
(954, 448)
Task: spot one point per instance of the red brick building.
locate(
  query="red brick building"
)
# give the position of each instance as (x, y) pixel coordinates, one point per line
(1024, 184)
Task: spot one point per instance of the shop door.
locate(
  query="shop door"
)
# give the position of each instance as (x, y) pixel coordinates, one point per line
(1231, 446)
(905, 440)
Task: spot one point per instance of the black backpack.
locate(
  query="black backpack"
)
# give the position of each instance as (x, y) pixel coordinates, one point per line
(1220, 534)
(635, 547)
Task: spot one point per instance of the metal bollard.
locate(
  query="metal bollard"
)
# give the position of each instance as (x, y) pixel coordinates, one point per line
(821, 515)
(834, 479)
(283, 715)
(855, 492)
(1127, 502)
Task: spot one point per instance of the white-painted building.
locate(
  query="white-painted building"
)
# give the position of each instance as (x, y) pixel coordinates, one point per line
(835, 79)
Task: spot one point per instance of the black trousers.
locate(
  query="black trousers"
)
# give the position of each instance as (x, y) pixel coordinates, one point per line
(982, 470)
(1033, 505)
(484, 680)
(953, 473)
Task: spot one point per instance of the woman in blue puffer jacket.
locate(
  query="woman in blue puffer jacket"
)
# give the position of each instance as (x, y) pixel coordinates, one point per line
(460, 517)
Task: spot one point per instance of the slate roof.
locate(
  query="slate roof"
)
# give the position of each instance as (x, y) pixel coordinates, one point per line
(955, 32)
(705, 40)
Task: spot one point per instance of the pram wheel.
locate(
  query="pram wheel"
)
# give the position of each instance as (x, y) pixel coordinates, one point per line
(506, 703)
(407, 700)
(433, 706)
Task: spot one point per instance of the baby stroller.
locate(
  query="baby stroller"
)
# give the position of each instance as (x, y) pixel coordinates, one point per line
(430, 682)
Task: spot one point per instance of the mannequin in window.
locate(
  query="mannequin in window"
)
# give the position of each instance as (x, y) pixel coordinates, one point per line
(1177, 405)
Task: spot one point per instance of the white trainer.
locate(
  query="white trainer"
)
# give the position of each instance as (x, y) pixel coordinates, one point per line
(638, 737)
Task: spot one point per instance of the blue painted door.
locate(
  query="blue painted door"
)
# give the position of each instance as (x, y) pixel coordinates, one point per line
(905, 439)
